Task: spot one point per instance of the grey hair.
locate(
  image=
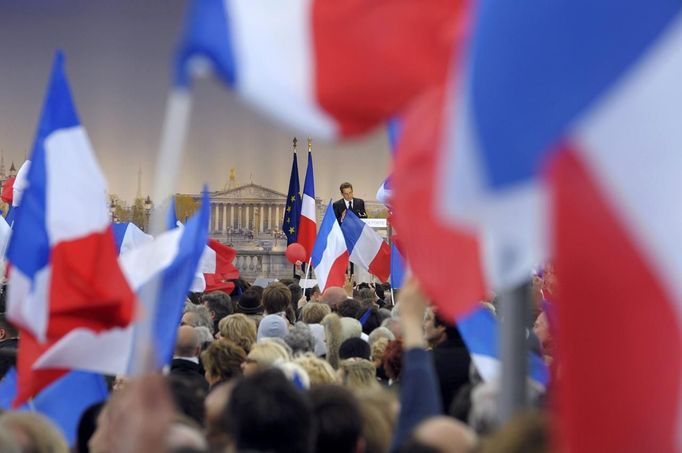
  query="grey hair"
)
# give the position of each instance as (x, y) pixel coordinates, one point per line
(202, 313)
(300, 338)
(380, 332)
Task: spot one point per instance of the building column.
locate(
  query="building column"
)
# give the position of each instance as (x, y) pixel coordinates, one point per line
(261, 214)
(220, 217)
(213, 212)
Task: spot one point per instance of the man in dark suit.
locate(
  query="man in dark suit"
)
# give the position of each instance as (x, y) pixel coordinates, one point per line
(348, 202)
(186, 358)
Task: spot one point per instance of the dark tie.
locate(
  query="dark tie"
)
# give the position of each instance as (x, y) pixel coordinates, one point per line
(350, 205)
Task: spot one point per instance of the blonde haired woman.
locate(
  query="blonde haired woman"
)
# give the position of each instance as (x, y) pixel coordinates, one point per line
(240, 329)
(263, 355)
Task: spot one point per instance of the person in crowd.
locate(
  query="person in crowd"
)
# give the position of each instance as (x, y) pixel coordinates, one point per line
(393, 324)
(219, 305)
(185, 363)
(349, 308)
(196, 315)
(188, 398)
(300, 339)
(379, 411)
(377, 352)
(240, 329)
(204, 335)
(339, 420)
(369, 319)
(222, 361)
(261, 412)
(296, 374)
(9, 342)
(542, 331)
(450, 356)
(357, 373)
(263, 355)
(333, 296)
(312, 314)
(348, 202)
(272, 326)
(250, 304)
(393, 361)
(277, 300)
(354, 347)
(319, 370)
(33, 432)
(441, 435)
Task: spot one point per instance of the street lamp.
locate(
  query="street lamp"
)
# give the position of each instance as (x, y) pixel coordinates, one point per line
(112, 211)
(147, 211)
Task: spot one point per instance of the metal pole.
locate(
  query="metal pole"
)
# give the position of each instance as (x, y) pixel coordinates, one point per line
(513, 347)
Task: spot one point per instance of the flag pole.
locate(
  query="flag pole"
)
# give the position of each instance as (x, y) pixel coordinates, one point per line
(173, 135)
(307, 269)
(514, 351)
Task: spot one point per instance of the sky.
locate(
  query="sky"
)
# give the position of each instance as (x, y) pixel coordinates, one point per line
(118, 62)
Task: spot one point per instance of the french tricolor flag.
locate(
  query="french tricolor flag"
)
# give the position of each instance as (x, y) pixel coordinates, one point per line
(330, 255)
(366, 247)
(65, 273)
(129, 236)
(307, 226)
(307, 54)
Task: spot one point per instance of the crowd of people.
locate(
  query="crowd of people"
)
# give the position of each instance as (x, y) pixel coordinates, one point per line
(279, 369)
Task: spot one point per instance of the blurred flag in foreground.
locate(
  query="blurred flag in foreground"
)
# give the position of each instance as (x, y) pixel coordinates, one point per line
(64, 275)
(577, 138)
(325, 67)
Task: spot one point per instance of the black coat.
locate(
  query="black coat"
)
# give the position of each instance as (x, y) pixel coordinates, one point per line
(190, 371)
(358, 208)
(451, 360)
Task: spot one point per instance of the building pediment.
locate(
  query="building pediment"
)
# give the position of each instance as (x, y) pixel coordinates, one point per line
(248, 191)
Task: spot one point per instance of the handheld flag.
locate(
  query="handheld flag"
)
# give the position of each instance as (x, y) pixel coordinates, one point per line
(292, 213)
(307, 228)
(366, 247)
(330, 255)
(64, 270)
(247, 44)
(129, 236)
(480, 333)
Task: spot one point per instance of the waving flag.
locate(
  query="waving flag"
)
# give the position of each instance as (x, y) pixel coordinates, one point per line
(64, 270)
(129, 236)
(171, 258)
(579, 135)
(218, 268)
(63, 401)
(366, 247)
(307, 228)
(330, 255)
(322, 43)
(292, 213)
(480, 333)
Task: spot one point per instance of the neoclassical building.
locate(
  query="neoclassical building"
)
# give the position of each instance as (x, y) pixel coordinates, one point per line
(250, 207)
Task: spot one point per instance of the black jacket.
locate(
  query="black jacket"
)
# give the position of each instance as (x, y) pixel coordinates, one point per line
(358, 208)
(451, 360)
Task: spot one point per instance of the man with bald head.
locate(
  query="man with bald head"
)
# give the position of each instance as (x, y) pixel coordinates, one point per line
(443, 435)
(333, 296)
(185, 362)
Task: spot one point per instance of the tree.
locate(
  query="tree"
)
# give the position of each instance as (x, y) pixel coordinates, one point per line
(185, 206)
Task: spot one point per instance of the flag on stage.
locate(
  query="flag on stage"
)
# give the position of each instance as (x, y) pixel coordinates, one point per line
(480, 333)
(330, 255)
(366, 247)
(307, 227)
(64, 273)
(292, 211)
(129, 236)
(322, 44)
(574, 146)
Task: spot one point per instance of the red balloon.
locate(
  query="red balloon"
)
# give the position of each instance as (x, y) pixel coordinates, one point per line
(295, 253)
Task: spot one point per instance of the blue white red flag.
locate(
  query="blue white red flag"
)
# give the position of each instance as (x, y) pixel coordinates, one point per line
(480, 333)
(64, 276)
(330, 255)
(397, 267)
(63, 401)
(366, 248)
(129, 236)
(306, 54)
(171, 260)
(307, 226)
(577, 139)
